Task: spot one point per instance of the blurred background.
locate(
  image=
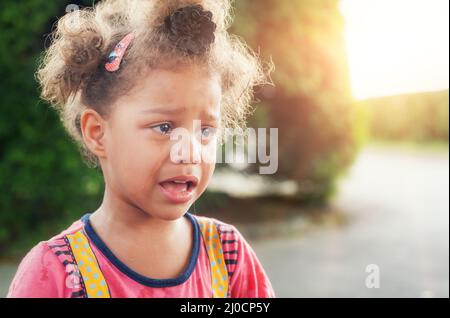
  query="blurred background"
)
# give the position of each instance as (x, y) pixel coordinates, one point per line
(359, 206)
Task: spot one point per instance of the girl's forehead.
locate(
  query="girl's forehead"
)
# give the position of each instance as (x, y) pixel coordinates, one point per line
(164, 76)
(175, 91)
(169, 86)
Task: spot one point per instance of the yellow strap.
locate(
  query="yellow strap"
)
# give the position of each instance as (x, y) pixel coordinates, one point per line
(219, 273)
(93, 278)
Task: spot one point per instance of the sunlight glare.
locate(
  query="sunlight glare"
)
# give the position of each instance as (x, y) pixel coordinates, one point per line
(397, 46)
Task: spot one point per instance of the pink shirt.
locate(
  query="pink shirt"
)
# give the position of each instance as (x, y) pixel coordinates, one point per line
(42, 274)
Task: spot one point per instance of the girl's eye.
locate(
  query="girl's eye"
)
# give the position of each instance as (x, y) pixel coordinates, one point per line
(208, 132)
(162, 129)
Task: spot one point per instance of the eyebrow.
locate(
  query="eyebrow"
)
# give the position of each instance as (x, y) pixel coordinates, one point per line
(175, 111)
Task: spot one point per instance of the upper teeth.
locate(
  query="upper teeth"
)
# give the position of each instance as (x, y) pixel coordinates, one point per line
(179, 181)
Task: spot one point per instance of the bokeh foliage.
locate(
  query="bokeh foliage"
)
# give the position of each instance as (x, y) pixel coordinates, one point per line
(43, 183)
(310, 103)
(418, 118)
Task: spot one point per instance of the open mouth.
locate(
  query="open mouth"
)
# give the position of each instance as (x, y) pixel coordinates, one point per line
(179, 189)
(178, 186)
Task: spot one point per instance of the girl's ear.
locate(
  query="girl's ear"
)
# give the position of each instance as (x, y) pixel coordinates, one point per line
(93, 131)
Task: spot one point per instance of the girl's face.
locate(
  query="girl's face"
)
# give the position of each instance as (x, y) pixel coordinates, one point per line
(137, 164)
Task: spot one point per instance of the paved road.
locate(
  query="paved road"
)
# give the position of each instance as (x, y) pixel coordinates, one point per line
(398, 205)
(7, 272)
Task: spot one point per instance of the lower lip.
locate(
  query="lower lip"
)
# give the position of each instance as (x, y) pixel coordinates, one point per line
(178, 197)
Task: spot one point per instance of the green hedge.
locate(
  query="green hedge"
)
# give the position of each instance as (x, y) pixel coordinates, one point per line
(43, 183)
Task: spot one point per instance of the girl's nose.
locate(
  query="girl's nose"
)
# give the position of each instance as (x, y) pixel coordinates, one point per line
(191, 150)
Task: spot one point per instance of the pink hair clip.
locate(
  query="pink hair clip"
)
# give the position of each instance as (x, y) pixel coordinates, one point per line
(115, 57)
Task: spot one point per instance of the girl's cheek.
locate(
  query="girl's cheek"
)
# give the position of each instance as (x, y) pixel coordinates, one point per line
(207, 173)
(209, 153)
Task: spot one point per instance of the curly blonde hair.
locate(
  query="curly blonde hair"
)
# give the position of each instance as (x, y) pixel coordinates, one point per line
(72, 80)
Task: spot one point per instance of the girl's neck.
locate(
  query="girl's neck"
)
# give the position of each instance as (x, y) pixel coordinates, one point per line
(117, 216)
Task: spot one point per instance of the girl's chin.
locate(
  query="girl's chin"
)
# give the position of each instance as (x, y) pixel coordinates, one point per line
(170, 212)
(172, 215)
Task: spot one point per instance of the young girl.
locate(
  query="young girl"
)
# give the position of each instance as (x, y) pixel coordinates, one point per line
(125, 76)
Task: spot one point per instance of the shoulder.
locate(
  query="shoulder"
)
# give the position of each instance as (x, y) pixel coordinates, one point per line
(221, 226)
(38, 275)
(230, 237)
(231, 240)
(247, 276)
(42, 271)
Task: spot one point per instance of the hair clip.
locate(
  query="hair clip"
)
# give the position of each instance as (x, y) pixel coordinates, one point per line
(115, 57)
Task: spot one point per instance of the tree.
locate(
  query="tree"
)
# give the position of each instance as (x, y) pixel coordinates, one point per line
(43, 182)
(310, 103)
